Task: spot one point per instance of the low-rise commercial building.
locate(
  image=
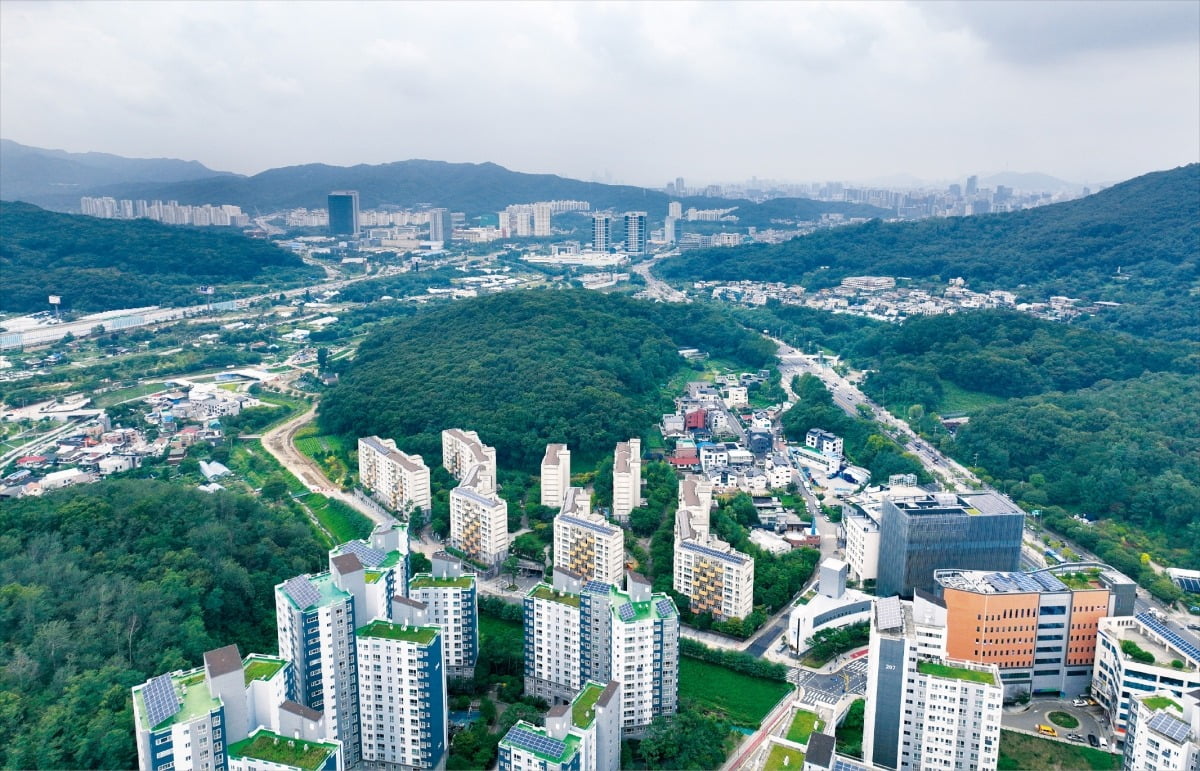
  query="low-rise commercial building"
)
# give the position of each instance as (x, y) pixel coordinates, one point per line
(1135, 656)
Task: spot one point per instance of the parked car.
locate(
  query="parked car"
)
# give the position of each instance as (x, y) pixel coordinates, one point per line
(1092, 740)
(1075, 737)
(1103, 743)
(1079, 703)
(1047, 730)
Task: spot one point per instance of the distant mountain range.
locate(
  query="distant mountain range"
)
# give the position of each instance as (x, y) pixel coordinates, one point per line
(56, 180)
(35, 174)
(1136, 243)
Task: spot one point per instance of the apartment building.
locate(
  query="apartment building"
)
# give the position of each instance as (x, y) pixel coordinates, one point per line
(556, 475)
(824, 442)
(576, 631)
(1163, 733)
(1135, 656)
(399, 480)
(715, 577)
(923, 533)
(587, 543)
(452, 603)
(462, 451)
(205, 718)
(1038, 628)
(479, 519)
(627, 478)
(403, 700)
(584, 735)
(925, 710)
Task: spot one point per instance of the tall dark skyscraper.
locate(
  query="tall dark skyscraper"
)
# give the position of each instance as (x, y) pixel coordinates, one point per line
(343, 213)
(918, 535)
(635, 232)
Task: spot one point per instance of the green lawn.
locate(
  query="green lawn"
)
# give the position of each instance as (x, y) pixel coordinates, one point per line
(803, 724)
(1020, 752)
(956, 399)
(738, 698)
(779, 753)
(1063, 720)
(124, 394)
(343, 522)
(849, 734)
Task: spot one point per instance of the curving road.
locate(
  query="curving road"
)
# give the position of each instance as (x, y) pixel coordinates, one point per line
(279, 442)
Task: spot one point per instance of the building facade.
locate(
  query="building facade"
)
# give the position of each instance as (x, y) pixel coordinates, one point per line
(1163, 733)
(583, 735)
(462, 451)
(627, 478)
(921, 534)
(1038, 628)
(635, 232)
(400, 480)
(479, 523)
(453, 605)
(403, 699)
(601, 232)
(587, 543)
(556, 475)
(924, 710)
(1134, 657)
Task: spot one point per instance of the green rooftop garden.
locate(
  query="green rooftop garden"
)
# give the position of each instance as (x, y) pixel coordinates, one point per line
(583, 708)
(391, 560)
(1080, 580)
(372, 576)
(955, 673)
(1161, 702)
(782, 757)
(424, 581)
(422, 635)
(273, 748)
(262, 669)
(544, 592)
(803, 724)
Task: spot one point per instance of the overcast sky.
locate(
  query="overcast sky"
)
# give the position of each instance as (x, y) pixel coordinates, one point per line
(637, 93)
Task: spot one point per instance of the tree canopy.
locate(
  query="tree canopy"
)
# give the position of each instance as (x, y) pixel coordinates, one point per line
(528, 368)
(105, 585)
(98, 265)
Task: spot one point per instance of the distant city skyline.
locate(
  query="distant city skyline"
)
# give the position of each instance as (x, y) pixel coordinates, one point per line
(637, 94)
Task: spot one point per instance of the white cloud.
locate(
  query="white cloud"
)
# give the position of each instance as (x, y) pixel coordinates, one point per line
(645, 91)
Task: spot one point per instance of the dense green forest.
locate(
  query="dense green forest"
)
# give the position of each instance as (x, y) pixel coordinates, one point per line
(527, 368)
(106, 585)
(98, 265)
(1125, 452)
(1136, 243)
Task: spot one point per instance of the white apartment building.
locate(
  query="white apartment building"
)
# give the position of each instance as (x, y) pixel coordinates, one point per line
(552, 636)
(824, 442)
(205, 718)
(400, 480)
(587, 543)
(736, 397)
(452, 604)
(556, 475)
(1118, 678)
(479, 521)
(627, 478)
(462, 450)
(715, 577)
(584, 735)
(862, 543)
(403, 703)
(541, 219)
(593, 631)
(1164, 733)
(924, 710)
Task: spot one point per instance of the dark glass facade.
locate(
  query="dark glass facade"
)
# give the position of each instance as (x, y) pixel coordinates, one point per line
(343, 213)
(919, 536)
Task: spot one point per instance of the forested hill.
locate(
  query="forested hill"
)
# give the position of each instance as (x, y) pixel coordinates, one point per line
(98, 265)
(527, 368)
(475, 188)
(1136, 243)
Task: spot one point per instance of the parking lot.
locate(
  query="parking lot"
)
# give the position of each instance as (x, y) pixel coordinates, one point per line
(1035, 714)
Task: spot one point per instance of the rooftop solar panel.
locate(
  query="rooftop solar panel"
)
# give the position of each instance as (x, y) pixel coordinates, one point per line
(597, 587)
(626, 612)
(889, 614)
(161, 701)
(665, 608)
(596, 527)
(1189, 584)
(1174, 729)
(536, 742)
(725, 556)
(367, 555)
(1177, 640)
(301, 590)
